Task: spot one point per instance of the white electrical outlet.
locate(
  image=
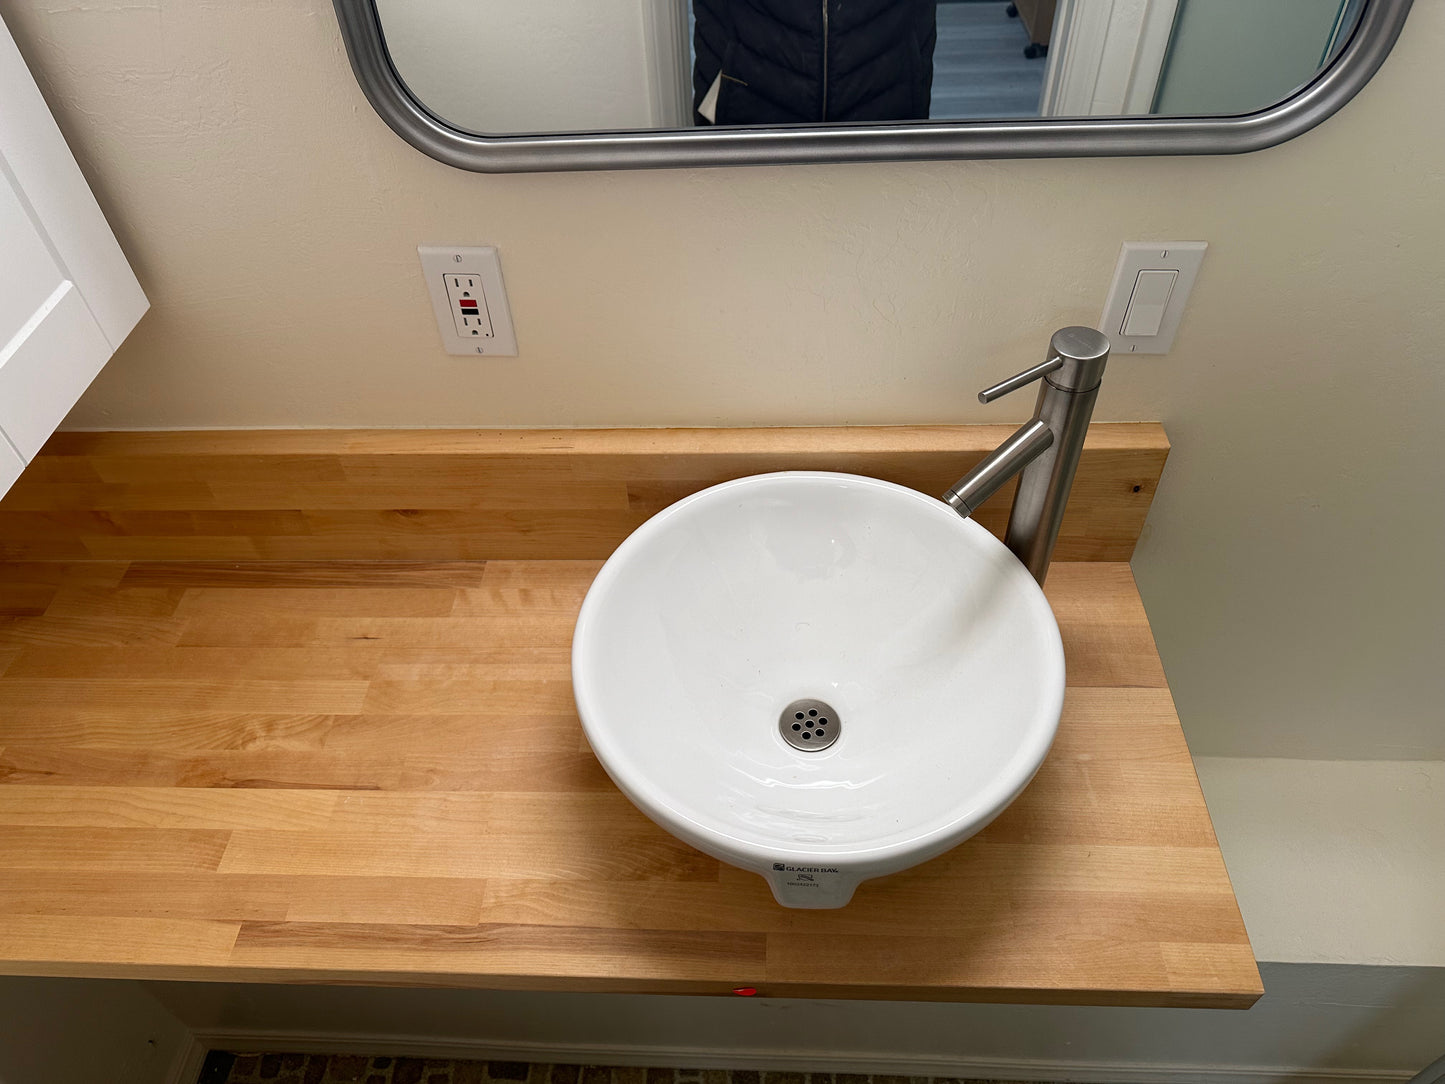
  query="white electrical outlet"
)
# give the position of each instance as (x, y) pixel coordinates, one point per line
(465, 283)
(468, 305)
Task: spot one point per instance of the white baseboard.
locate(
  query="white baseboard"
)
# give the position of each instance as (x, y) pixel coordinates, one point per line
(186, 1065)
(246, 1041)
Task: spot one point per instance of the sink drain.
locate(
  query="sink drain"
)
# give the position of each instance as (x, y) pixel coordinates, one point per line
(809, 725)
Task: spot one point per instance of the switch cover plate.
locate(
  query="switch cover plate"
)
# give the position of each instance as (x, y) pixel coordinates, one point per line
(470, 302)
(1146, 293)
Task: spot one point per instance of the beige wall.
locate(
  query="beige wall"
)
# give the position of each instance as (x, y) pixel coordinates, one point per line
(1334, 861)
(1291, 567)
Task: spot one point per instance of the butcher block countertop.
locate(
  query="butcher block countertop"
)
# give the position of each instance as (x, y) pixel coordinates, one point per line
(371, 771)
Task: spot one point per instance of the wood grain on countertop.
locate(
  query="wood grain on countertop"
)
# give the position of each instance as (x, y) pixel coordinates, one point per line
(373, 772)
(509, 494)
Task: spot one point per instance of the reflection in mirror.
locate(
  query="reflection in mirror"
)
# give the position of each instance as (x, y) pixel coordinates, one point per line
(494, 67)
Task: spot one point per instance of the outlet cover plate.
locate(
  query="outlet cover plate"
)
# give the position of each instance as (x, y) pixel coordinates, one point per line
(1135, 256)
(470, 270)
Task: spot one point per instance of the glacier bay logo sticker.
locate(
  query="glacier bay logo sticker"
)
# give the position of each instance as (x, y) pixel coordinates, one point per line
(804, 876)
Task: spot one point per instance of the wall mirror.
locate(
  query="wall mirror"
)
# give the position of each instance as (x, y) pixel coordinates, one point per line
(501, 86)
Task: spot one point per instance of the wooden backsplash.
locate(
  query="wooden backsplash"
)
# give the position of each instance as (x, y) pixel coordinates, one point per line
(427, 495)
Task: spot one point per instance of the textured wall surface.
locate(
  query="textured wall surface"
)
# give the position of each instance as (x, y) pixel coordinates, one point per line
(1291, 566)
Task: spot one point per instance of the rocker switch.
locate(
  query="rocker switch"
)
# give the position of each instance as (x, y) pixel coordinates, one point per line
(1148, 302)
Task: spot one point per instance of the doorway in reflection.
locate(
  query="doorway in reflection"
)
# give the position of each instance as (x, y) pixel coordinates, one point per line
(987, 63)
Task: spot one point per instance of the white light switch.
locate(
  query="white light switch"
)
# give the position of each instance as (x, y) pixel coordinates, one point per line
(1152, 281)
(1147, 305)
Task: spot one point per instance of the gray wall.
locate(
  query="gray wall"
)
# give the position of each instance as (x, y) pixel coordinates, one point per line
(1236, 56)
(1318, 1019)
(81, 1031)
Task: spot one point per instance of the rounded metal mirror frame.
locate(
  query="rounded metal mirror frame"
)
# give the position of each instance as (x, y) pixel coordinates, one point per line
(1371, 41)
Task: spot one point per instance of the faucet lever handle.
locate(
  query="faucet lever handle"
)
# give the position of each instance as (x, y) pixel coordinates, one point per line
(1082, 349)
(1028, 376)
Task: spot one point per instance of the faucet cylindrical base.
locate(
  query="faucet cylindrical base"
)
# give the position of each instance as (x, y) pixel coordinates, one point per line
(1044, 485)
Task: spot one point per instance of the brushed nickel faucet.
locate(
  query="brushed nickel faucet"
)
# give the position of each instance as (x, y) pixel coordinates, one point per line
(1045, 450)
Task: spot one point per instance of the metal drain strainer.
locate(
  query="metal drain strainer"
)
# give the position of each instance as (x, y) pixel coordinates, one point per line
(809, 725)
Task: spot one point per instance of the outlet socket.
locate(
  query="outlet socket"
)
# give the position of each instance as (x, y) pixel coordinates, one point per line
(469, 300)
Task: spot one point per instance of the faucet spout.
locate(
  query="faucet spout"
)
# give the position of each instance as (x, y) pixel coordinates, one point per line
(1045, 452)
(1032, 439)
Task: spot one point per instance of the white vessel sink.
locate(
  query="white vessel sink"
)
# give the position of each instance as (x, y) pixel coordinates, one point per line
(923, 642)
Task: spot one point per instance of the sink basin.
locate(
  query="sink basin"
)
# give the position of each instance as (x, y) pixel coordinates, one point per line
(819, 677)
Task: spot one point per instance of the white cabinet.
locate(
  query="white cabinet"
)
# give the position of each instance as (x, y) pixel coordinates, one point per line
(67, 295)
(53, 346)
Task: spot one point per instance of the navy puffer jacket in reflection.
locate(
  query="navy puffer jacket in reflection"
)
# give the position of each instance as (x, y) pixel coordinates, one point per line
(800, 61)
